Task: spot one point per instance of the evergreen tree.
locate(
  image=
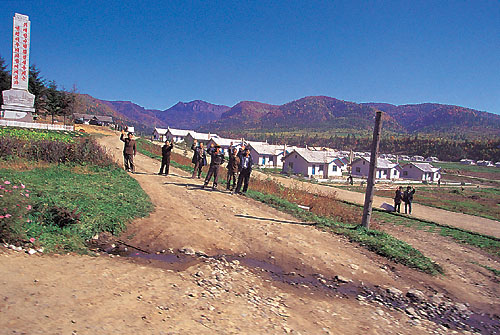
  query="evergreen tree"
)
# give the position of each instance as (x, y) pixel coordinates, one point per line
(53, 100)
(4, 77)
(36, 85)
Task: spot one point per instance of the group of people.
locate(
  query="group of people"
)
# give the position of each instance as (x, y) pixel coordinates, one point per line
(239, 166)
(406, 197)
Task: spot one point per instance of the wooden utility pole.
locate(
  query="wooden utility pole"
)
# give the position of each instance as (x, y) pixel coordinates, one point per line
(367, 209)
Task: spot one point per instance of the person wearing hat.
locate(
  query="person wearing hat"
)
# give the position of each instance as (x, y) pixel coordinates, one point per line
(408, 199)
(165, 157)
(129, 151)
(217, 158)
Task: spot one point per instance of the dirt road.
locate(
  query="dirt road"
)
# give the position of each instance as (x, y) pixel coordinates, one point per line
(255, 270)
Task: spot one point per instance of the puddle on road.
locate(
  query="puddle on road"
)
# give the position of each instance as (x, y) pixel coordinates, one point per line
(447, 314)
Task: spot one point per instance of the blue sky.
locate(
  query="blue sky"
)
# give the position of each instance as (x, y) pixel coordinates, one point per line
(156, 53)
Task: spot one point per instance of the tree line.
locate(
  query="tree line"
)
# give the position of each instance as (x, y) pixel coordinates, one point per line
(446, 149)
(49, 99)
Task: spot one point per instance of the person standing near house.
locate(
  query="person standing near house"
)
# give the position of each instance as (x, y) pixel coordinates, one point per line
(216, 160)
(408, 199)
(129, 151)
(397, 199)
(241, 151)
(199, 158)
(232, 168)
(245, 168)
(165, 157)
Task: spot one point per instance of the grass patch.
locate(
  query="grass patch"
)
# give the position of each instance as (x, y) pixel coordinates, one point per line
(105, 197)
(40, 134)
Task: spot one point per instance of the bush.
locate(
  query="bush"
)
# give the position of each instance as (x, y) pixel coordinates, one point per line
(62, 217)
(81, 151)
(14, 209)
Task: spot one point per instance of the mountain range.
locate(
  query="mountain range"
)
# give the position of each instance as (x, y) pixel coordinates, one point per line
(315, 113)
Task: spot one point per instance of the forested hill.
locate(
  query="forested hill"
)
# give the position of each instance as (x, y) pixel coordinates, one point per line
(432, 118)
(321, 113)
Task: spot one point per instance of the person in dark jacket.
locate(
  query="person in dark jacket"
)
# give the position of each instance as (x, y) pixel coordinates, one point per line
(165, 157)
(129, 151)
(199, 158)
(245, 168)
(397, 199)
(408, 199)
(232, 168)
(216, 160)
(241, 151)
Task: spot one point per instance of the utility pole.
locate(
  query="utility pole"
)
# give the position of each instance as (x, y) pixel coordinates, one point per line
(367, 209)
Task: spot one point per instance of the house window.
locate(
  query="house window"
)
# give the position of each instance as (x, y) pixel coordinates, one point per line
(290, 164)
(405, 173)
(334, 168)
(320, 168)
(295, 156)
(364, 162)
(358, 169)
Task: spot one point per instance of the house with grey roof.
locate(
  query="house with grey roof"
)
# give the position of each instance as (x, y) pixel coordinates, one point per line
(420, 172)
(199, 137)
(224, 143)
(312, 164)
(98, 119)
(160, 134)
(176, 135)
(268, 155)
(360, 167)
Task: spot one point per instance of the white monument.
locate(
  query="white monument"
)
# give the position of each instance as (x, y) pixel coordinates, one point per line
(18, 102)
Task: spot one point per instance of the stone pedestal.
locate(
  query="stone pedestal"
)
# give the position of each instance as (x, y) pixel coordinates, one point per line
(18, 105)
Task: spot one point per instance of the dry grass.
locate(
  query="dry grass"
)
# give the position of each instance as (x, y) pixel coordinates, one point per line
(321, 204)
(19, 164)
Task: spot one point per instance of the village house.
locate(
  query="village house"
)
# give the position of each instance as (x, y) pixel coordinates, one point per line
(160, 134)
(466, 161)
(224, 143)
(312, 164)
(385, 169)
(420, 172)
(176, 135)
(99, 120)
(199, 137)
(484, 163)
(417, 159)
(267, 155)
(432, 159)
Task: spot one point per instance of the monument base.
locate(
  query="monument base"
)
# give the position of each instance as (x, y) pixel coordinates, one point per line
(17, 113)
(18, 105)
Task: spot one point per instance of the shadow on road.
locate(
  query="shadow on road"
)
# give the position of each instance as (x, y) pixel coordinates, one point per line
(274, 220)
